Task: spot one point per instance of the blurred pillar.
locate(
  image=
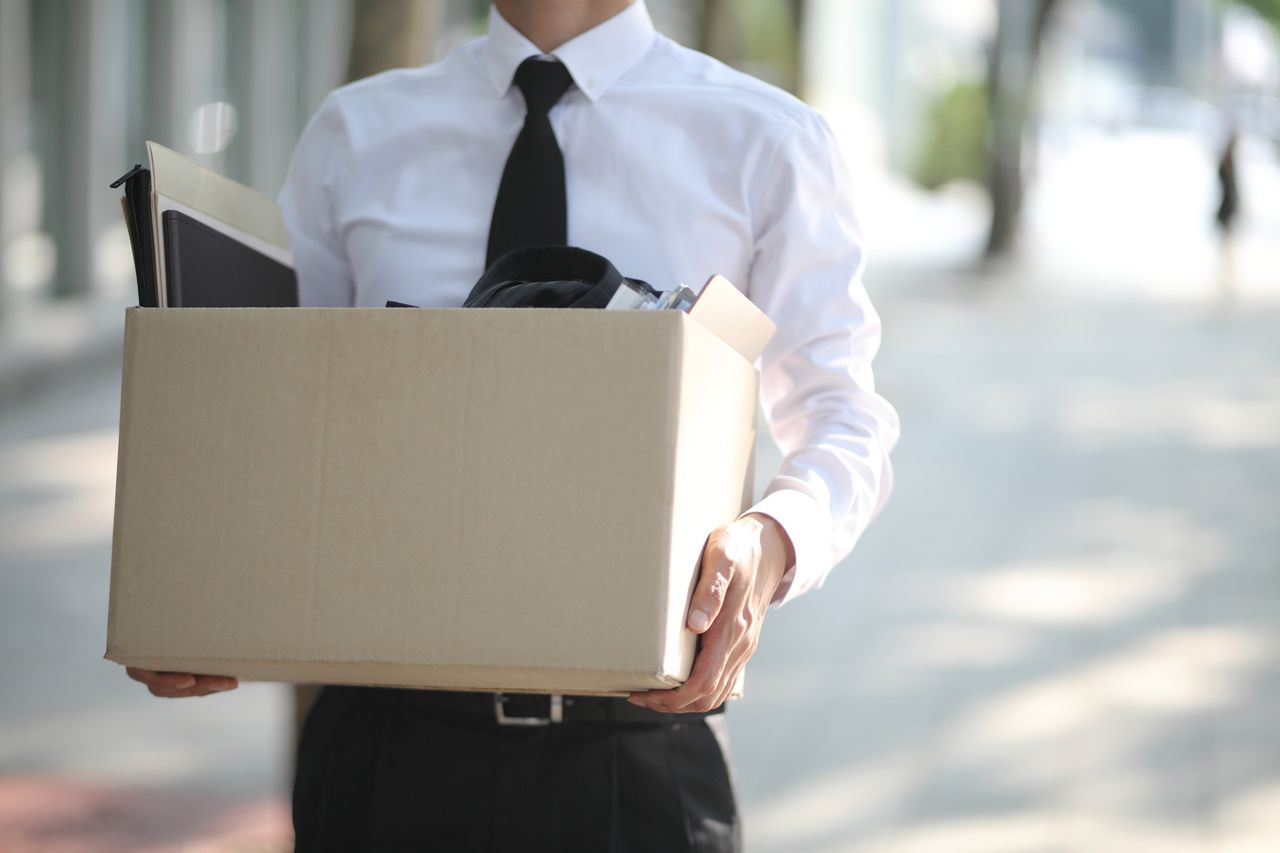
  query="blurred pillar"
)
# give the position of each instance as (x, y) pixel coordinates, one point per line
(393, 34)
(80, 84)
(326, 38)
(677, 19)
(264, 52)
(1195, 38)
(187, 69)
(720, 31)
(799, 80)
(1013, 83)
(14, 116)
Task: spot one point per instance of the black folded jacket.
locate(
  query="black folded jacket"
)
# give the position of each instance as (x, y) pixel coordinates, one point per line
(547, 277)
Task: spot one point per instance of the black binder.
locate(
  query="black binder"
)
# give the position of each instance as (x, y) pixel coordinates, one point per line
(211, 256)
(205, 268)
(137, 218)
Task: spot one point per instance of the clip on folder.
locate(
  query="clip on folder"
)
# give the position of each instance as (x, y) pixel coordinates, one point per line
(201, 240)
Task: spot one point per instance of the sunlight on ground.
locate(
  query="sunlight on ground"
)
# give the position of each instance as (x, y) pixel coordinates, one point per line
(1173, 672)
(68, 817)
(1197, 414)
(1018, 832)
(73, 479)
(1094, 589)
(943, 643)
(1007, 737)
(1083, 653)
(836, 803)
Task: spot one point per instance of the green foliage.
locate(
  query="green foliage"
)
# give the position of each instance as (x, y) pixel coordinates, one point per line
(767, 32)
(956, 137)
(1269, 9)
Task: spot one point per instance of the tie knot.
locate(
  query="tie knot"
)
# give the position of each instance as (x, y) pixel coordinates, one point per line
(542, 82)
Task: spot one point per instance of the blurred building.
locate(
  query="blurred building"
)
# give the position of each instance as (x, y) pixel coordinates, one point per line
(230, 83)
(86, 82)
(889, 59)
(83, 83)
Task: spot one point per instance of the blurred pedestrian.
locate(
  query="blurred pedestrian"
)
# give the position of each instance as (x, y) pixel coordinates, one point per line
(1227, 214)
(1229, 188)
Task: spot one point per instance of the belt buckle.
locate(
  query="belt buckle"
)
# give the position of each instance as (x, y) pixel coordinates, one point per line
(555, 712)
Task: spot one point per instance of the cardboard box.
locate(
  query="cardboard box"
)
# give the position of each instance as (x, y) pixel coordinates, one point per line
(489, 499)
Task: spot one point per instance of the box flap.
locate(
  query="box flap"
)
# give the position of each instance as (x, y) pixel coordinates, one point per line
(731, 316)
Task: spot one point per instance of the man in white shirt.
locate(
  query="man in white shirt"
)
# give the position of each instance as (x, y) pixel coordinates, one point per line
(675, 167)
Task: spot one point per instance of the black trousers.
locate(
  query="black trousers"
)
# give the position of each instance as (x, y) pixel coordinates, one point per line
(379, 769)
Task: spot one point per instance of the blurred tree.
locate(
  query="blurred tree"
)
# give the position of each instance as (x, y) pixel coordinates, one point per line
(956, 133)
(720, 30)
(392, 34)
(763, 36)
(1269, 9)
(1012, 83)
(799, 10)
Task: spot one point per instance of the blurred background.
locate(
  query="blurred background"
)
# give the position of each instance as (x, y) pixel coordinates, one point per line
(1061, 634)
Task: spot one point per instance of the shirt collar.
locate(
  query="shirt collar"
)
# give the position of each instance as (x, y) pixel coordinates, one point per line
(595, 59)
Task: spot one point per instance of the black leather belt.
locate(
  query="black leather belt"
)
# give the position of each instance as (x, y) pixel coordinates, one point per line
(540, 709)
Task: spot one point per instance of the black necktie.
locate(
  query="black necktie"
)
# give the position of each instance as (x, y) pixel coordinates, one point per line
(530, 208)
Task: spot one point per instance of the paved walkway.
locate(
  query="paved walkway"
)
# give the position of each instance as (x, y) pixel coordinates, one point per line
(1062, 632)
(1061, 635)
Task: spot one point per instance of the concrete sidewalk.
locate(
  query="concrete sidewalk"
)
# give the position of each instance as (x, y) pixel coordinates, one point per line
(57, 816)
(43, 342)
(1062, 632)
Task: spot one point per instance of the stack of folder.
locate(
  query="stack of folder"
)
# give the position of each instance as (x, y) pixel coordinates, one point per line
(201, 240)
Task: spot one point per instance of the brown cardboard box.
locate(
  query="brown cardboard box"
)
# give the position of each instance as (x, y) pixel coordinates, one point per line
(509, 499)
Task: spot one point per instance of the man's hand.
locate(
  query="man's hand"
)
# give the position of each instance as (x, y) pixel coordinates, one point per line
(742, 565)
(171, 685)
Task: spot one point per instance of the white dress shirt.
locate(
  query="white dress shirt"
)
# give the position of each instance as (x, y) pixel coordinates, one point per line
(676, 167)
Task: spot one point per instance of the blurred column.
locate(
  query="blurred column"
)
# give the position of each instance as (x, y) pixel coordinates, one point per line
(187, 70)
(1195, 38)
(393, 34)
(264, 53)
(14, 140)
(79, 82)
(326, 38)
(677, 19)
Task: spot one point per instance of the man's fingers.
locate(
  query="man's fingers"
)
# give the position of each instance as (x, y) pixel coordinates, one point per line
(724, 654)
(721, 648)
(216, 683)
(730, 561)
(736, 664)
(172, 692)
(713, 585)
(172, 685)
(703, 679)
(724, 688)
(161, 680)
(204, 685)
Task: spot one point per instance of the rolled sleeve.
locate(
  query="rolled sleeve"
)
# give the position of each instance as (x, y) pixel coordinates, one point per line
(817, 388)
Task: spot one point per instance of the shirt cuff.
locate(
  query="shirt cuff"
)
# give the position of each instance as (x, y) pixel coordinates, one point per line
(808, 527)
